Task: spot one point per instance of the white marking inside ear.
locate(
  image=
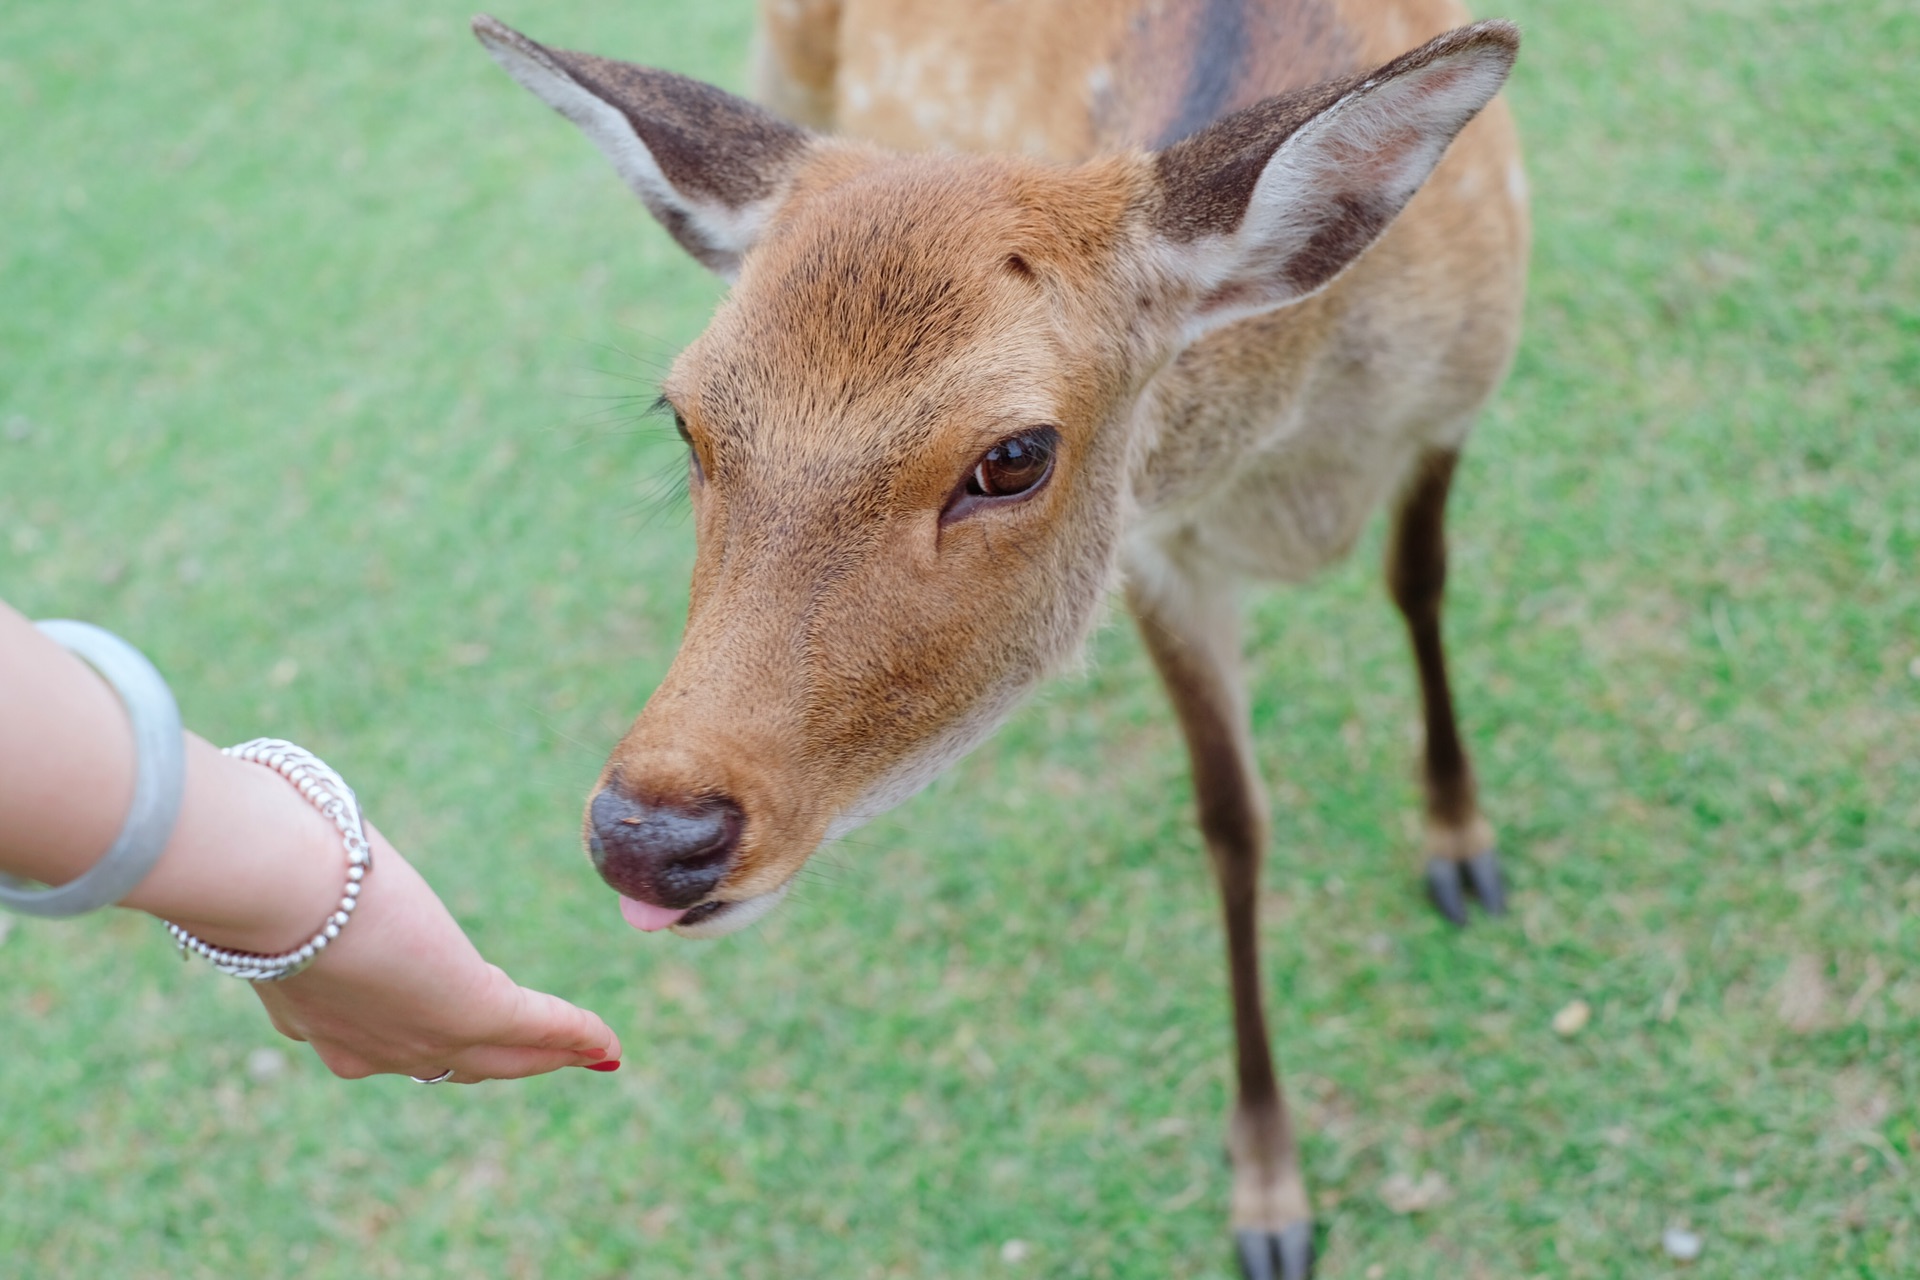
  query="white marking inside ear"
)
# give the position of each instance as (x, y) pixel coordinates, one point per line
(1371, 148)
(726, 231)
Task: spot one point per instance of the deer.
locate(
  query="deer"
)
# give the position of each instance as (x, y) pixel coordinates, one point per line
(1031, 306)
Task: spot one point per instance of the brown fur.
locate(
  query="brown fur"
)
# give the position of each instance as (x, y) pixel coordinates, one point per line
(991, 256)
(823, 463)
(1399, 352)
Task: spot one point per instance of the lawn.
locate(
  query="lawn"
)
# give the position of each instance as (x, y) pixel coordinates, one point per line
(322, 359)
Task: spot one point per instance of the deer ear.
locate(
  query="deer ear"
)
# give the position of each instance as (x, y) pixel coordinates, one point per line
(1266, 206)
(711, 167)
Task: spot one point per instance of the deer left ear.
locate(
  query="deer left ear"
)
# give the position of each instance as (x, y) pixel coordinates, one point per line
(1268, 205)
(709, 166)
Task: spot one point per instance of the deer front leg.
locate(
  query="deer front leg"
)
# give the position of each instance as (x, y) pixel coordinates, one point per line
(1192, 632)
(1460, 846)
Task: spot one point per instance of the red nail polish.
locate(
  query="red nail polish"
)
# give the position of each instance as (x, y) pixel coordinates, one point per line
(604, 1066)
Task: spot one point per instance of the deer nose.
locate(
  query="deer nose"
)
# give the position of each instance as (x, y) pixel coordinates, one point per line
(671, 855)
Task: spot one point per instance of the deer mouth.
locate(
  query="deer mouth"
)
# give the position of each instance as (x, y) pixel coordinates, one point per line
(712, 919)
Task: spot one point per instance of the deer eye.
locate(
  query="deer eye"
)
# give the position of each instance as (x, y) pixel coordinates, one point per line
(1013, 466)
(693, 454)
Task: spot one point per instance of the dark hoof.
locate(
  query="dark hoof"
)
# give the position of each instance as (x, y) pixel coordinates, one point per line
(1445, 891)
(1484, 882)
(1449, 883)
(1276, 1255)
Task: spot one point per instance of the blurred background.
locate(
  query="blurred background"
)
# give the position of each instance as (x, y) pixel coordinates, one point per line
(323, 356)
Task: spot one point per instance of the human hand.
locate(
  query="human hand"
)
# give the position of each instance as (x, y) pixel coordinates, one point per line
(252, 866)
(404, 990)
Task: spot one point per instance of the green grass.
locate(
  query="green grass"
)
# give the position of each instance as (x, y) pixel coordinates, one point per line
(313, 347)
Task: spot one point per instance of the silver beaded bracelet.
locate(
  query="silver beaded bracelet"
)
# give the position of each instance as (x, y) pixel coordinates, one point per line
(328, 792)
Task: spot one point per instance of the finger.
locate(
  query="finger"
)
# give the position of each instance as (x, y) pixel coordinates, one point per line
(509, 1062)
(541, 1021)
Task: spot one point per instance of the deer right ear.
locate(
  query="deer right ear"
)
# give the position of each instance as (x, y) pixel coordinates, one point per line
(1268, 205)
(711, 167)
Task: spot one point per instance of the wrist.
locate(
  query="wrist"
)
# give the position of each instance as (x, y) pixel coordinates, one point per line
(252, 865)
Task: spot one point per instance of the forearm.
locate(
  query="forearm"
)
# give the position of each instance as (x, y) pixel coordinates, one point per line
(250, 864)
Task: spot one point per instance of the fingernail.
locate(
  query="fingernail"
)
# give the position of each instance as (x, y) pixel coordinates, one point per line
(603, 1066)
(593, 1055)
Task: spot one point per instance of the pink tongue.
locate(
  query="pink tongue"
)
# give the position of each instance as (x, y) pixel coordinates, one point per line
(646, 917)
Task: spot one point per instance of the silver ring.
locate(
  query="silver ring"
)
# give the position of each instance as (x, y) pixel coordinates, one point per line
(442, 1078)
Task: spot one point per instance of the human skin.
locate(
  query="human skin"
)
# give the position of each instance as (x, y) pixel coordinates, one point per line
(251, 866)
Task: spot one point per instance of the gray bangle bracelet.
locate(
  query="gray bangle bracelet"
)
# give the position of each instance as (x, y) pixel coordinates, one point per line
(160, 775)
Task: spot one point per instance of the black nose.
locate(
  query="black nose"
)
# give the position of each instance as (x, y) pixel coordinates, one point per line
(669, 855)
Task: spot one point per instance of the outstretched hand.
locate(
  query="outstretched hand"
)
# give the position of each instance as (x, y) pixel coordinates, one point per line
(404, 990)
(254, 867)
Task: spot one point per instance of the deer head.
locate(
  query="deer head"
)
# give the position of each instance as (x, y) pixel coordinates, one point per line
(914, 425)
